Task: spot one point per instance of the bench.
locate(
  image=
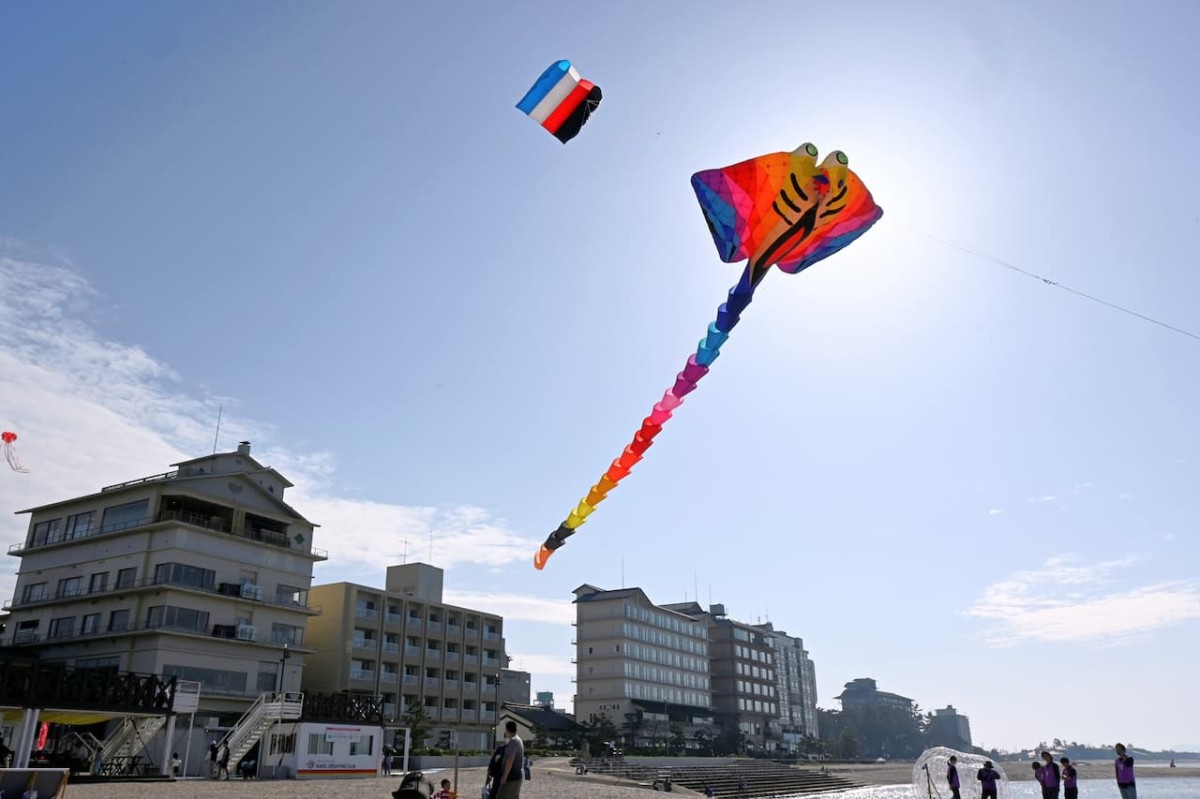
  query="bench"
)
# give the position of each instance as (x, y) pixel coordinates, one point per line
(50, 783)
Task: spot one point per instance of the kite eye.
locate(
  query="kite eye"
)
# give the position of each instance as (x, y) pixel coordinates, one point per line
(841, 158)
(809, 148)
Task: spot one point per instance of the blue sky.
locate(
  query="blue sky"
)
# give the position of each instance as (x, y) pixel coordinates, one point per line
(434, 317)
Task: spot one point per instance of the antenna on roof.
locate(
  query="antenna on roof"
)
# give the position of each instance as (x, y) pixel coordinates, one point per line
(216, 434)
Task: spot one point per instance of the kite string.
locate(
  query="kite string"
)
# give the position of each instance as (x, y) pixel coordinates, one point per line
(999, 262)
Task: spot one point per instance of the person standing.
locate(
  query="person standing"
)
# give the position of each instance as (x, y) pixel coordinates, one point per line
(1123, 766)
(176, 764)
(1048, 776)
(514, 761)
(952, 777)
(1070, 779)
(223, 761)
(988, 777)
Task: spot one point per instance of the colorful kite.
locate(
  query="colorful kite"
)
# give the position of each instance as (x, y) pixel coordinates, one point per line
(782, 209)
(10, 452)
(560, 101)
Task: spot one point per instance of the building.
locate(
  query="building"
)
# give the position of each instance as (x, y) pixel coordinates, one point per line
(950, 728)
(201, 573)
(403, 643)
(796, 686)
(545, 699)
(863, 692)
(643, 666)
(514, 687)
(745, 691)
(541, 727)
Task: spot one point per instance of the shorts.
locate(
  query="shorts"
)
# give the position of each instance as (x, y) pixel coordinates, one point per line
(510, 790)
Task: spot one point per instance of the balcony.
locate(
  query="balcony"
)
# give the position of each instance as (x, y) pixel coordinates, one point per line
(412, 651)
(472, 632)
(469, 715)
(215, 523)
(366, 613)
(433, 682)
(390, 677)
(411, 679)
(491, 636)
(414, 623)
(451, 657)
(489, 688)
(449, 714)
(139, 585)
(433, 654)
(470, 687)
(434, 626)
(391, 648)
(362, 674)
(471, 660)
(433, 713)
(393, 618)
(450, 685)
(491, 662)
(364, 643)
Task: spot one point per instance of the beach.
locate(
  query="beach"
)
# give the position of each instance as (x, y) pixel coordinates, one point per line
(550, 782)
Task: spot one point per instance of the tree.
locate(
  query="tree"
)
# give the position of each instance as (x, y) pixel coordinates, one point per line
(599, 734)
(418, 723)
(677, 742)
(848, 746)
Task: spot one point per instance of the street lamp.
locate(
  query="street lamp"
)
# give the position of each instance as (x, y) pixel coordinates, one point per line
(282, 662)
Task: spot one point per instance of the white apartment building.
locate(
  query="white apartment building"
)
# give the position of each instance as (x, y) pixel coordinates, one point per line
(643, 666)
(406, 645)
(202, 573)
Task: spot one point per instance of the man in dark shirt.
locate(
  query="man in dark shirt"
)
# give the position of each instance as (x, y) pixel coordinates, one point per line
(988, 777)
(952, 777)
(1123, 766)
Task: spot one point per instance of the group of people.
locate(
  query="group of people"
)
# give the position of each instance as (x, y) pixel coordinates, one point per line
(1050, 775)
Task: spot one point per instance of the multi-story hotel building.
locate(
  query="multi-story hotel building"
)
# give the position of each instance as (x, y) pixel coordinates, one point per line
(202, 573)
(404, 644)
(744, 685)
(643, 666)
(796, 686)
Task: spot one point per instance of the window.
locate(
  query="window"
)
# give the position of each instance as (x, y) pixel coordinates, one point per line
(79, 525)
(35, 592)
(282, 744)
(63, 627)
(266, 681)
(46, 532)
(177, 618)
(98, 663)
(98, 583)
(317, 745)
(216, 681)
(286, 634)
(118, 620)
(362, 746)
(182, 574)
(71, 586)
(91, 624)
(291, 595)
(122, 517)
(127, 577)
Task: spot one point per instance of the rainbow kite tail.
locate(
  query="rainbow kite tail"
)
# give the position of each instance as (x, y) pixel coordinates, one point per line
(697, 367)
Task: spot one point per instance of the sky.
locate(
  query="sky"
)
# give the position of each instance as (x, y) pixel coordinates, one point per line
(329, 223)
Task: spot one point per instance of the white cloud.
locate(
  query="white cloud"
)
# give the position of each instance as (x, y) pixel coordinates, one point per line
(516, 607)
(995, 512)
(90, 412)
(1067, 600)
(542, 665)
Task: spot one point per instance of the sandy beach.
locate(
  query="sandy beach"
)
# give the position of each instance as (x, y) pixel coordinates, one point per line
(552, 782)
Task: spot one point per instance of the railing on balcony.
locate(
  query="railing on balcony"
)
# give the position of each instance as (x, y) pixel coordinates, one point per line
(414, 623)
(390, 677)
(432, 682)
(469, 715)
(451, 657)
(415, 651)
(391, 647)
(227, 631)
(471, 659)
(364, 643)
(472, 632)
(434, 626)
(210, 522)
(366, 613)
(393, 618)
(433, 713)
(491, 636)
(493, 662)
(451, 685)
(151, 582)
(411, 679)
(362, 674)
(449, 714)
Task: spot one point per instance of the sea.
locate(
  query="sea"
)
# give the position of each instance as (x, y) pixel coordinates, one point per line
(1154, 788)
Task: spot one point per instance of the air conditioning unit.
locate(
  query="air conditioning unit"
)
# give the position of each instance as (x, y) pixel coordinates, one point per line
(252, 591)
(247, 633)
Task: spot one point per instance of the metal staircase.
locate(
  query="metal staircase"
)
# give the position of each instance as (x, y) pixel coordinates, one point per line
(270, 709)
(131, 737)
(89, 742)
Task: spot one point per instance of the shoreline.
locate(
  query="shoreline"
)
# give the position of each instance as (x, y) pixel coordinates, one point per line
(900, 772)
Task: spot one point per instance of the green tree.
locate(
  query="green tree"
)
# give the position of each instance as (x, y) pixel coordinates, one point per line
(677, 743)
(418, 723)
